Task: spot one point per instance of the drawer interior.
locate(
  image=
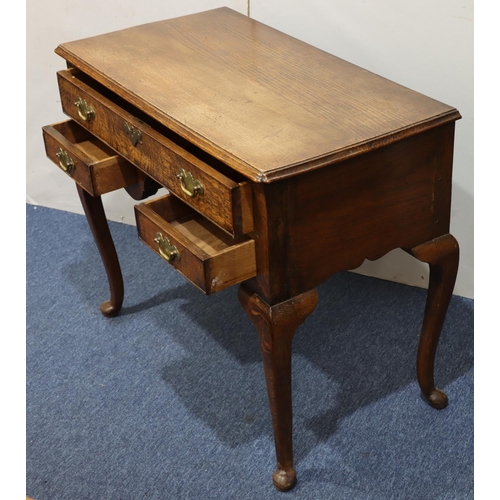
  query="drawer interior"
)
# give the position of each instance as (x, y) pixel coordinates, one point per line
(83, 140)
(94, 166)
(209, 258)
(196, 228)
(203, 234)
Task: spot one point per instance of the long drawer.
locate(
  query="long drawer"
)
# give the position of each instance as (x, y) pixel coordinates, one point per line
(226, 202)
(89, 162)
(195, 247)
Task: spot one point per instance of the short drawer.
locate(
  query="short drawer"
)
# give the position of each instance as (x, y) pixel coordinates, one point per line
(88, 161)
(225, 201)
(198, 249)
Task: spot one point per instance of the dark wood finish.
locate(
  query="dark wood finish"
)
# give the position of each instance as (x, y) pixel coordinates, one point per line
(92, 205)
(312, 163)
(354, 210)
(265, 103)
(272, 206)
(209, 258)
(143, 188)
(276, 326)
(224, 201)
(442, 255)
(367, 206)
(98, 169)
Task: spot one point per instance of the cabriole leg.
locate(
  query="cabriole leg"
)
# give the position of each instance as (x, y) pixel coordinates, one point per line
(442, 255)
(92, 205)
(276, 326)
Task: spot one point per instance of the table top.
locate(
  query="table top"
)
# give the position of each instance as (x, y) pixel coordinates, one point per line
(267, 104)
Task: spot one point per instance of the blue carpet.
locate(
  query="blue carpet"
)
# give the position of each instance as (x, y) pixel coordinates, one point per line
(168, 400)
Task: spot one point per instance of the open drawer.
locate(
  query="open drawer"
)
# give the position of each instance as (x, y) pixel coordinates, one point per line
(87, 160)
(192, 175)
(198, 249)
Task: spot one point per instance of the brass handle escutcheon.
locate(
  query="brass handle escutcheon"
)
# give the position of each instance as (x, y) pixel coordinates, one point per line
(134, 134)
(85, 110)
(168, 251)
(190, 186)
(65, 161)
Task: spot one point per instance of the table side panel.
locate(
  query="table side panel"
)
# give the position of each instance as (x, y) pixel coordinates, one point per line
(445, 137)
(397, 196)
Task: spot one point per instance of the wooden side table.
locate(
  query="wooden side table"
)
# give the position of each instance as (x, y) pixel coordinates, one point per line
(284, 165)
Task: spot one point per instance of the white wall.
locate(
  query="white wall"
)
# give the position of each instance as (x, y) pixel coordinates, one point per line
(425, 45)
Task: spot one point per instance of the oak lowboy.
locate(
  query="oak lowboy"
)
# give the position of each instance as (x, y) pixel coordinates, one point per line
(284, 164)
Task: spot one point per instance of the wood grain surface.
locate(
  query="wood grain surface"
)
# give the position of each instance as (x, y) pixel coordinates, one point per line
(97, 168)
(268, 105)
(224, 201)
(209, 258)
(276, 326)
(230, 99)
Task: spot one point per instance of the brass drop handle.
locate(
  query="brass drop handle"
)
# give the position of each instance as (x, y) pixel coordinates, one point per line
(190, 186)
(134, 134)
(168, 251)
(85, 110)
(65, 161)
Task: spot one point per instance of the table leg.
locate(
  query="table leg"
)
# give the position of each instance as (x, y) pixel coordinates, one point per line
(92, 205)
(276, 326)
(442, 255)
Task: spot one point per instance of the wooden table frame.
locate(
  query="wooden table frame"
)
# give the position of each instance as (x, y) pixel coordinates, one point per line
(283, 294)
(317, 208)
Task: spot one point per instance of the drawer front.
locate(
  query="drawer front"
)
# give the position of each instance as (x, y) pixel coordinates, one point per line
(199, 250)
(224, 201)
(89, 162)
